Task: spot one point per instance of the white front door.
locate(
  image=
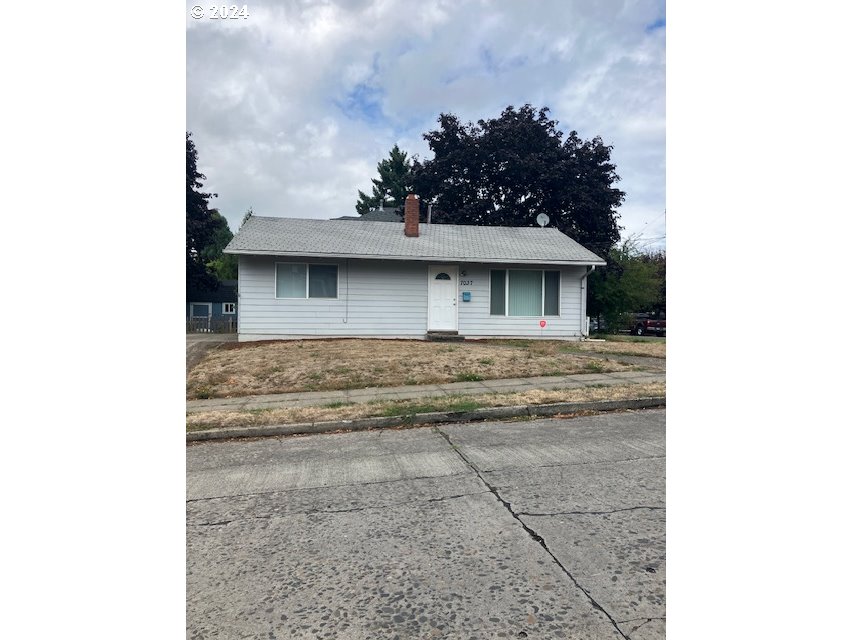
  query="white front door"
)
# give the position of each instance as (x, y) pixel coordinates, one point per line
(442, 297)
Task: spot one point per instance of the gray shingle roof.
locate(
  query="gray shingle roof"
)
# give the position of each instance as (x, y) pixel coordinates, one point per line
(388, 214)
(451, 242)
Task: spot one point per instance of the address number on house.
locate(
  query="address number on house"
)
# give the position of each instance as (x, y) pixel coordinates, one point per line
(466, 283)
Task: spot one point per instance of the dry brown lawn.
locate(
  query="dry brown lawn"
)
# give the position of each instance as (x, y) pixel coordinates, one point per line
(243, 369)
(616, 346)
(219, 419)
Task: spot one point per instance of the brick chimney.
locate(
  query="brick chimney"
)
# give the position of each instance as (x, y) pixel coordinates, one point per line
(411, 216)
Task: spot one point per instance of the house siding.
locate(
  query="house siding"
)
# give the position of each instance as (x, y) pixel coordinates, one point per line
(226, 292)
(388, 299)
(475, 319)
(375, 298)
(216, 309)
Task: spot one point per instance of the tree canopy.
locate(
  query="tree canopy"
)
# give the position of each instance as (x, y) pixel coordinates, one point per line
(392, 186)
(633, 281)
(223, 266)
(202, 226)
(507, 170)
(657, 259)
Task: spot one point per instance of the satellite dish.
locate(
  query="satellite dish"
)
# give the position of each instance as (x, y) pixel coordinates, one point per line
(542, 219)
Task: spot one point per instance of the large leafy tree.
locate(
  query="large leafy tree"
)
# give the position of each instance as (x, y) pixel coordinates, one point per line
(631, 282)
(201, 225)
(392, 186)
(658, 260)
(223, 266)
(507, 170)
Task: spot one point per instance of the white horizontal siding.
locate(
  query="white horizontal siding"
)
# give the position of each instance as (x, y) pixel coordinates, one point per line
(475, 319)
(388, 299)
(375, 298)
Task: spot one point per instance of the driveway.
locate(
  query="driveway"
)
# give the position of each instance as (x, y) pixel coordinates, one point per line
(541, 529)
(198, 344)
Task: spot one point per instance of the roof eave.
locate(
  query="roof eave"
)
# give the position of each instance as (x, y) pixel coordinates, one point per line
(363, 256)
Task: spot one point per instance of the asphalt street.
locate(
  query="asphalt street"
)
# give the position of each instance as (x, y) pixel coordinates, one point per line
(532, 529)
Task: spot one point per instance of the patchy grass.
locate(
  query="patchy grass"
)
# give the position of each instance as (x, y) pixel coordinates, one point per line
(630, 338)
(218, 419)
(620, 346)
(442, 404)
(467, 376)
(241, 369)
(337, 405)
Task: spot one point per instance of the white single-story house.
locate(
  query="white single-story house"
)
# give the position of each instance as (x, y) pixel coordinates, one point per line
(301, 278)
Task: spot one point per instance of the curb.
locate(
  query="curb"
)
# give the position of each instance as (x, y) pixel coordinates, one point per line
(363, 424)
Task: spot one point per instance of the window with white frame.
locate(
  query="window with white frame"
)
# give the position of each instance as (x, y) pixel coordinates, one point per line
(200, 309)
(301, 280)
(524, 292)
(229, 308)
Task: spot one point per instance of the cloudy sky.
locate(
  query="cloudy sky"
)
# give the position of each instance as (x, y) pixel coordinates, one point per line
(292, 107)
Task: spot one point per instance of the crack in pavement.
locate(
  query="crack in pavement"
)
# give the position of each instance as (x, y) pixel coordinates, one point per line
(535, 536)
(645, 621)
(350, 510)
(580, 464)
(646, 618)
(587, 513)
(211, 524)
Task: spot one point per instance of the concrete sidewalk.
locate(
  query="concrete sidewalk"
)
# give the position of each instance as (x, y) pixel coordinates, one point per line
(412, 392)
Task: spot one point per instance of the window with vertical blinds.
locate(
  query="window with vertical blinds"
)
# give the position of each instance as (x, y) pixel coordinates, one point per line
(552, 293)
(524, 293)
(498, 289)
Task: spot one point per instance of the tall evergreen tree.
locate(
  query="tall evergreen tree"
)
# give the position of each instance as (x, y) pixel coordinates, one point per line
(201, 225)
(507, 170)
(390, 190)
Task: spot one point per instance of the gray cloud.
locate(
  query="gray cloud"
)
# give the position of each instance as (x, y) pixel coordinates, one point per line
(292, 108)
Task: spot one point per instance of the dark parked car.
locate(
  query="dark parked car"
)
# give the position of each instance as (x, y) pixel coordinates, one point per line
(644, 324)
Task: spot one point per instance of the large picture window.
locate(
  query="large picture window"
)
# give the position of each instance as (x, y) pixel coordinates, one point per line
(524, 292)
(300, 280)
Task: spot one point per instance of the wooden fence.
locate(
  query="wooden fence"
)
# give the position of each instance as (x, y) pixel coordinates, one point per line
(211, 325)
